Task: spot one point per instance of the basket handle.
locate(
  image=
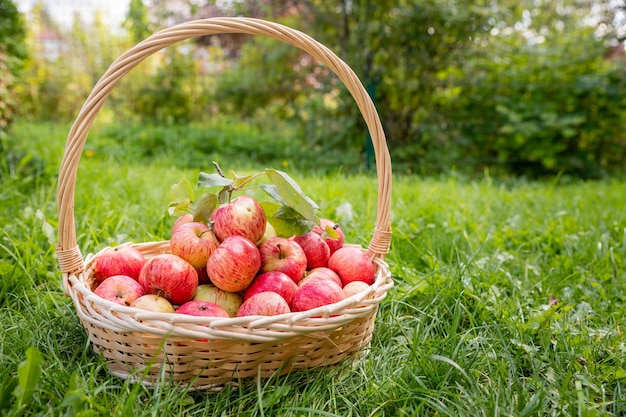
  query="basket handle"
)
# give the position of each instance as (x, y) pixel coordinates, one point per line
(69, 257)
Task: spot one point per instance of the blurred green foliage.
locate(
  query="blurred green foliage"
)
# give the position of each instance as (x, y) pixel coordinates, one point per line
(516, 87)
(12, 54)
(519, 87)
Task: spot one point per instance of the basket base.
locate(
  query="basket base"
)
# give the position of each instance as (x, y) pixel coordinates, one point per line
(206, 365)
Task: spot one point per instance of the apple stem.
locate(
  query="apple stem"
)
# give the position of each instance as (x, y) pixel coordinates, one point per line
(218, 169)
(281, 255)
(230, 189)
(247, 180)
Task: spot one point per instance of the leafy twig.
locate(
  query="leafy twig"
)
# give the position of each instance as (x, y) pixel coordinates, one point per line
(293, 212)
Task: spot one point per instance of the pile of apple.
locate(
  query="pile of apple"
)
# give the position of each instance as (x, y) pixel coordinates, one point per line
(235, 265)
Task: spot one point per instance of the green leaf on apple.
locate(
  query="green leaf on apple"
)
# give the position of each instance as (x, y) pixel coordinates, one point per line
(272, 191)
(331, 232)
(286, 221)
(291, 212)
(178, 208)
(181, 191)
(203, 208)
(239, 181)
(270, 207)
(224, 195)
(213, 180)
(291, 193)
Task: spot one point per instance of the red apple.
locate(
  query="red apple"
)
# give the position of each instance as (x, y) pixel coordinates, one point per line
(120, 289)
(169, 276)
(243, 216)
(234, 264)
(154, 303)
(120, 260)
(322, 273)
(352, 264)
(315, 248)
(203, 277)
(266, 303)
(202, 308)
(283, 255)
(194, 242)
(229, 301)
(316, 293)
(333, 243)
(184, 219)
(354, 287)
(274, 281)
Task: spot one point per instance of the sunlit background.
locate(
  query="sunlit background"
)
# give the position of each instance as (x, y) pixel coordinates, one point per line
(533, 87)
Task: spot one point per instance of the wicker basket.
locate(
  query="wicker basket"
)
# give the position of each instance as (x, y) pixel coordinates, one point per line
(201, 352)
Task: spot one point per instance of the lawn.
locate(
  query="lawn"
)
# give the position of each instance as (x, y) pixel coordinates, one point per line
(509, 296)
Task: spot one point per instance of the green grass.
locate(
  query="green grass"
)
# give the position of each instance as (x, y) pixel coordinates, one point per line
(509, 297)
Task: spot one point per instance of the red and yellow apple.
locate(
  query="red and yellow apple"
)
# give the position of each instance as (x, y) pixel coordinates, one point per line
(352, 264)
(283, 255)
(315, 248)
(202, 308)
(169, 276)
(321, 273)
(154, 303)
(354, 287)
(333, 243)
(120, 289)
(229, 301)
(266, 303)
(243, 216)
(194, 242)
(184, 219)
(274, 281)
(120, 260)
(316, 293)
(234, 264)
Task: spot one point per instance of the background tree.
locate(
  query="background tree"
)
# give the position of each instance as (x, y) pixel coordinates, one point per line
(403, 51)
(523, 87)
(538, 95)
(12, 34)
(13, 52)
(517, 86)
(136, 21)
(58, 83)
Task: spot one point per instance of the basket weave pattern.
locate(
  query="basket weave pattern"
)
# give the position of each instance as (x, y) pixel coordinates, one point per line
(207, 352)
